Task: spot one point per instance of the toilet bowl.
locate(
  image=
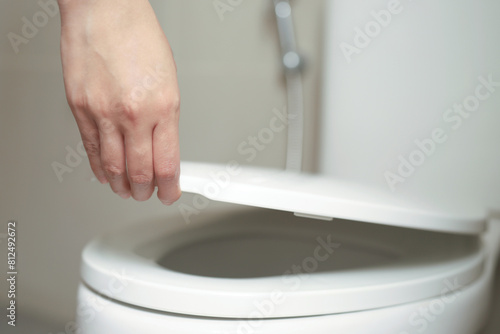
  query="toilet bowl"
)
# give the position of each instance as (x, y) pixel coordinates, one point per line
(265, 270)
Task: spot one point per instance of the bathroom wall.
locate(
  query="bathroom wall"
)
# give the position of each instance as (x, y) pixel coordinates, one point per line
(230, 79)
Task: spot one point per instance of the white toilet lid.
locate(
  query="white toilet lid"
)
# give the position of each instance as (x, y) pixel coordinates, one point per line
(240, 265)
(323, 197)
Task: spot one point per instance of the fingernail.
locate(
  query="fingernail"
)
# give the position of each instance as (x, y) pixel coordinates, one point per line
(124, 195)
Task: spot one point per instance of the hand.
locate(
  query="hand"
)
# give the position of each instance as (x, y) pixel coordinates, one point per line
(121, 85)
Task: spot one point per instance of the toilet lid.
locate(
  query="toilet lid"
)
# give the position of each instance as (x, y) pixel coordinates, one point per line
(322, 197)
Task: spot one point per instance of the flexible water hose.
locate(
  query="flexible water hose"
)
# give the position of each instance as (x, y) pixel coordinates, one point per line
(292, 63)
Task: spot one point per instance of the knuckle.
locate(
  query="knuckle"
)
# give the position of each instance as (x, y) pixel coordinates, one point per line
(167, 172)
(92, 148)
(106, 126)
(94, 103)
(169, 102)
(130, 111)
(77, 101)
(113, 171)
(141, 179)
(174, 102)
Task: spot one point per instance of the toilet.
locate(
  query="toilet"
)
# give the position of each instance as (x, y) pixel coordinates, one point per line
(284, 252)
(293, 253)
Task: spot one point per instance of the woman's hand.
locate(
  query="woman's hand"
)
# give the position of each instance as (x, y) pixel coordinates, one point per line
(121, 85)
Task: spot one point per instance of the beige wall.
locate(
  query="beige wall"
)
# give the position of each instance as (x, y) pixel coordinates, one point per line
(231, 80)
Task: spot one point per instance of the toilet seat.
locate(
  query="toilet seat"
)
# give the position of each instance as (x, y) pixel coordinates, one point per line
(380, 265)
(390, 252)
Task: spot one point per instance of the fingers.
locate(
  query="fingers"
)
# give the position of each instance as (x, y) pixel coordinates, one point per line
(167, 161)
(133, 164)
(113, 159)
(139, 155)
(90, 139)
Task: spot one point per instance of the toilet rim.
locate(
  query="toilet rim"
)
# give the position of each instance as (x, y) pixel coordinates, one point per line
(112, 267)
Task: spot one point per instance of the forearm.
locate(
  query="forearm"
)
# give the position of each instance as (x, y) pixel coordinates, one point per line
(124, 32)
(99, 14)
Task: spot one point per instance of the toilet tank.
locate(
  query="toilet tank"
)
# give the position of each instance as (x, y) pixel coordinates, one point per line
(411, 96)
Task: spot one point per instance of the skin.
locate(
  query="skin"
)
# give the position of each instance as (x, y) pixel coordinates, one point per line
(121, 85)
